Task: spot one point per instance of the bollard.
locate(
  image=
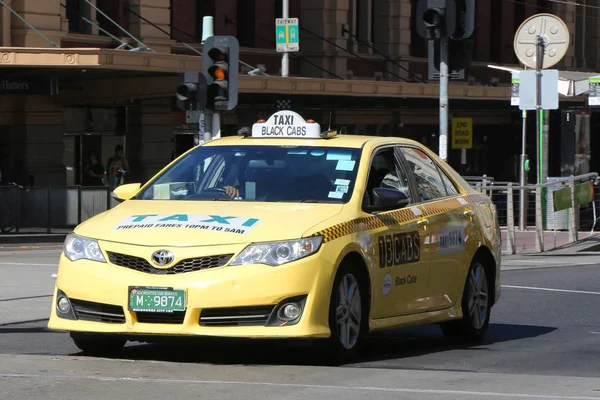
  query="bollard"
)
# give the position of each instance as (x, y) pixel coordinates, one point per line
(539, 220)
(573, 234)
(511, 245)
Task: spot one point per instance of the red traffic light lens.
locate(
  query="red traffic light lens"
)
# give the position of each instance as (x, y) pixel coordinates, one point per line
(433, 17)
(216, 54)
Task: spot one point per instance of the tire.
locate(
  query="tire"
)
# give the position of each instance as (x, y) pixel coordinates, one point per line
(348, 317)
(475, 305)
(97, 344)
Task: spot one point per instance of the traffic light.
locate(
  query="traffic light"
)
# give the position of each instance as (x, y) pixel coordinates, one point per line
(465, 25)
(459, 59)
(191, 92)
(221, 61)
(436, 19)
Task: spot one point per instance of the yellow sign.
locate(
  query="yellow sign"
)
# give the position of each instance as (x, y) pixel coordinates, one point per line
(462, 133)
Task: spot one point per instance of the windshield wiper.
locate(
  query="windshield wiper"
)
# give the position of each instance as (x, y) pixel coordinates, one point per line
(318, 201)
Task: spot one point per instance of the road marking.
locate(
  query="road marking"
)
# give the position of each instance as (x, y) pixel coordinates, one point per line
(27, 298)
(550, 289)
(298, 385)
(595, 333)
(35, 265)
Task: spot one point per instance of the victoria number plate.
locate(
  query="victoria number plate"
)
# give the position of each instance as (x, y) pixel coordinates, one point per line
(156, 299)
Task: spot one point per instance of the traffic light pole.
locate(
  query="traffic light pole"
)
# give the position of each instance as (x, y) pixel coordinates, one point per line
(444, 79)
(285, 60)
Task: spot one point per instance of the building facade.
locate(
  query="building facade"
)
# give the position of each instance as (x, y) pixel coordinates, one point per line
(66, 90)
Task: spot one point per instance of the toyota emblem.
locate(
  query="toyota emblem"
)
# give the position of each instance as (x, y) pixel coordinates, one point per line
(162, 258)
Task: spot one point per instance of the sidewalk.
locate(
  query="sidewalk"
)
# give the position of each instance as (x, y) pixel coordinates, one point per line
(584, 252)
(34, 235)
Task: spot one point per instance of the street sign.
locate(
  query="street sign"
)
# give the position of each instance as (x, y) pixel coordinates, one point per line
(287, 35)
(584, 194)
(527, 90)
(462, 133)
(514, 90)
(594, 91)
(555, 34)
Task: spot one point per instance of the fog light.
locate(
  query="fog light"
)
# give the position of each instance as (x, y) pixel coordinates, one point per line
(289, 312)
(63, 305)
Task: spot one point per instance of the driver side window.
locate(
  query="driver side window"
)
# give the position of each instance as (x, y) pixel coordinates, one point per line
(387, 172)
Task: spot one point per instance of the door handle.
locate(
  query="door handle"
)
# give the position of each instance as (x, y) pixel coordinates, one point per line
(466, 214)
(422, 222)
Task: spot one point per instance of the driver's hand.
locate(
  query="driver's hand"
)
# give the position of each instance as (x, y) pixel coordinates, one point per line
(232, 192)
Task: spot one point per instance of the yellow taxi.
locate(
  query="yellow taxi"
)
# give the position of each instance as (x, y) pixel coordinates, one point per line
(285, 231)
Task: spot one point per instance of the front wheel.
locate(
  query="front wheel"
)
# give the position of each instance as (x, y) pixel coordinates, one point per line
(476, 307)
(348, 313)
(97, 344)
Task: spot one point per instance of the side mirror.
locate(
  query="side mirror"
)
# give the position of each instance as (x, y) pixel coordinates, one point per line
(388, 199)
(125, 192)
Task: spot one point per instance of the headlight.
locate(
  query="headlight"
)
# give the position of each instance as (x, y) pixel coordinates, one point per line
(77, 248)
(277, 253)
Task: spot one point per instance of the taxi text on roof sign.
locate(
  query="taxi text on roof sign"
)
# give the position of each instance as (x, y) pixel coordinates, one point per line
(286, 124)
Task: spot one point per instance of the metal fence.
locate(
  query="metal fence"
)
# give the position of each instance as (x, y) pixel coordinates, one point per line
(50, 208)
(526, 214)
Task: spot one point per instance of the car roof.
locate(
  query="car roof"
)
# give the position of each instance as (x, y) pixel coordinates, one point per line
(351, 141)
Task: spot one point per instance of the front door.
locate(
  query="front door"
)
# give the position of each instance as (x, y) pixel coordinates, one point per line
(448, 220)
(401, 266)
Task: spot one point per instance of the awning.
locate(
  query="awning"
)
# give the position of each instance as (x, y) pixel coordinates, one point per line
(570, 83)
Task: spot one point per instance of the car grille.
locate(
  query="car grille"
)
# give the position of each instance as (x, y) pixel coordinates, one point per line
(97, 312)
(188, 265)
(176, 317)
(237, 316)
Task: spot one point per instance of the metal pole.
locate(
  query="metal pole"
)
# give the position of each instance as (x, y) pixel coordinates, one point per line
(216, 126)
(538, 104)
(523, 178)
(285, 60)
(443, 141)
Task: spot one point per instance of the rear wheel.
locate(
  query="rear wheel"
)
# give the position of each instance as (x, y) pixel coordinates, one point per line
(97, 344)
(348, 314)
(476, 307)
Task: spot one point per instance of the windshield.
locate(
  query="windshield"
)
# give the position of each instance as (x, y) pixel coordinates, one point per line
(259, 173)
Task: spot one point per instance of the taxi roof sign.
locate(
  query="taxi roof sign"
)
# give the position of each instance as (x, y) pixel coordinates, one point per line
(286, 124)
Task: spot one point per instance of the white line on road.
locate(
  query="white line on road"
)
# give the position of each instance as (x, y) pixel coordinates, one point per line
(297, 385)
(35, 265)
(550, 289)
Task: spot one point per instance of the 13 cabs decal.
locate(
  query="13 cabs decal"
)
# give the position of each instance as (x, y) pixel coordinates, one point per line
(399, 249)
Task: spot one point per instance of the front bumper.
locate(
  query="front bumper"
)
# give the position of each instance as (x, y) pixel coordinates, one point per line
(228, 301)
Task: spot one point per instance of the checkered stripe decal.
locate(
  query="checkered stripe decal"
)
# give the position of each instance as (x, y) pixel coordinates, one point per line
(392, 218)
(284, 105)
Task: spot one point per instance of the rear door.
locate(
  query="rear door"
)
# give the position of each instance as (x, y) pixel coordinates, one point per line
(448, 218)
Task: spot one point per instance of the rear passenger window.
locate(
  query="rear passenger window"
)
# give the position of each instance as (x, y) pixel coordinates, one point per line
(431, 183)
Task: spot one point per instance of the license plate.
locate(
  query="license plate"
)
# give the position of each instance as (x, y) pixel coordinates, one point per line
(156, 299)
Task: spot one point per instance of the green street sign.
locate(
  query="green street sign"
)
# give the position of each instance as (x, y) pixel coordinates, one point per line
(584, 194)
(287, 34)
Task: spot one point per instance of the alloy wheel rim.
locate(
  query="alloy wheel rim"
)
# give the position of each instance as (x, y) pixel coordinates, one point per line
(478, 296)
(348, 311)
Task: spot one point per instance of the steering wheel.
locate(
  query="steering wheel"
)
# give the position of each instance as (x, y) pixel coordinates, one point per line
(215, 189)
(213, 192)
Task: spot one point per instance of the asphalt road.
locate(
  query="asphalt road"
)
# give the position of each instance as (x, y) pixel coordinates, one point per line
(543, 342)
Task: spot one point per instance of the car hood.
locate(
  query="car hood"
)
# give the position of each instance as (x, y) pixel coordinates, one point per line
(204, 223)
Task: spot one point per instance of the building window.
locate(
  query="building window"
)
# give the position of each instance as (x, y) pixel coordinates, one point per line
(76, 9)
(204, 8)
(245, 22)
(115, 10)
(495, 28)
(417, 43)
